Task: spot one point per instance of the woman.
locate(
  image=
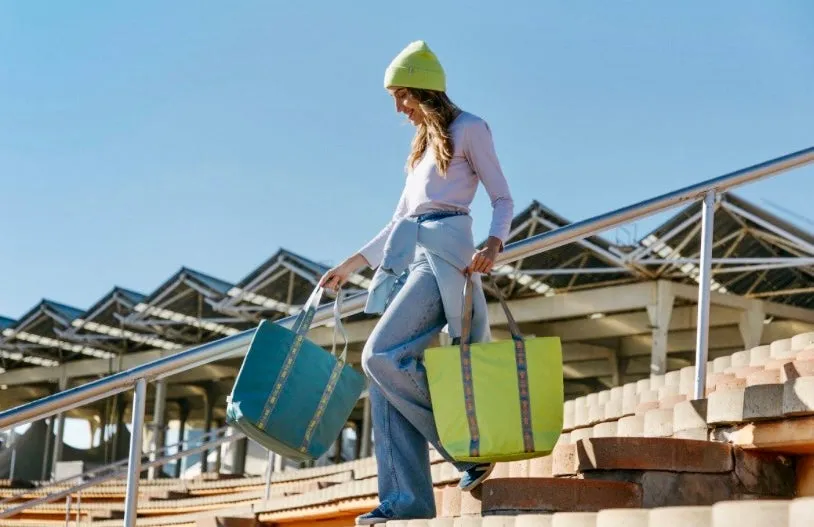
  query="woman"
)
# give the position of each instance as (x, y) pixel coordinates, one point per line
(422, 258)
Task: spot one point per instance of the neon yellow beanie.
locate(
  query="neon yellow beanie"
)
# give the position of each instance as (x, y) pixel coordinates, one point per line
(416, 67)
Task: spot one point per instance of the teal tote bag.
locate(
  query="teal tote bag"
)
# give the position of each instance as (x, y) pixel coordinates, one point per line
(292, 396)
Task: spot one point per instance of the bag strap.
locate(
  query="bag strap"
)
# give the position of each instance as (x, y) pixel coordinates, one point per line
(303, 322)
(466, 316)
(521, 366)
(339, 327)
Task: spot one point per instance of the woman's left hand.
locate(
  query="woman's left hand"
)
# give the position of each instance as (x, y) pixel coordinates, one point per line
(484, 259)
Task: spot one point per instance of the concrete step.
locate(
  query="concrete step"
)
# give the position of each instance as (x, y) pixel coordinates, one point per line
(802, 341)
(721, 363)
(789, 436)
(442, 522)
(226, 521)
(781, 348)
(623, 518)
(498, 521)
(533, 520)
(681, 517)
(573, 519)
(798, 396)
(751, 403)
(544, 495)
(759, 355)
(801, 512)
(751, 513)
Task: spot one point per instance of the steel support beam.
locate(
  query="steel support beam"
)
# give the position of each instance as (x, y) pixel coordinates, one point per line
(660, 313)
(751, 325)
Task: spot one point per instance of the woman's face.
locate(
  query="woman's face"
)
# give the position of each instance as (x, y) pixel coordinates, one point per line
(408, 105)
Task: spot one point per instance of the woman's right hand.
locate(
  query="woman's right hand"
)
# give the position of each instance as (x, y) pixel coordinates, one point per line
(337, 276)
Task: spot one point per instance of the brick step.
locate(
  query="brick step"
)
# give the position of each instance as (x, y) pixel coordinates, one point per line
(642, 453)
(539, 495)
(678, 471)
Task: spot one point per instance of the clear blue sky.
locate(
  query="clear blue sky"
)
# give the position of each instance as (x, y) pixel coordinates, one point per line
(139, 137)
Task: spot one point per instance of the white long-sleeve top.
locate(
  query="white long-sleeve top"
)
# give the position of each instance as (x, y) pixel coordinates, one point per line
(426, 190)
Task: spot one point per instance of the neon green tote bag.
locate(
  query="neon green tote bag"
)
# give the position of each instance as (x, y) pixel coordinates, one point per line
(496, 401)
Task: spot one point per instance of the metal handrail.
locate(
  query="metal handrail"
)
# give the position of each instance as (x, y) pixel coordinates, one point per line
(113, 466)
(235, 345)
(6, 513)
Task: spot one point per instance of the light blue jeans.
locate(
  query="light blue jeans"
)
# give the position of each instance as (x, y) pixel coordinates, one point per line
(401, 410)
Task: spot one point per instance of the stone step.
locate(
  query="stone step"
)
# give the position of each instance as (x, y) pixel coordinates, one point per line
(542, 495)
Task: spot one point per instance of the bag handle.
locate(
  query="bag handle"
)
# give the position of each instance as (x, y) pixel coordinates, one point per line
(466, 316)
(303, 322)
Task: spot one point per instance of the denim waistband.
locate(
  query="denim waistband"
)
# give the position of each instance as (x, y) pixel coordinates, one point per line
(437, 215)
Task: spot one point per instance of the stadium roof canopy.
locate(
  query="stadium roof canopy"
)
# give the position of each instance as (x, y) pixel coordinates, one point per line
(278, 287)
(755, 253)
(35, 339)
(181, 309)
(102, 325)
(589, 263)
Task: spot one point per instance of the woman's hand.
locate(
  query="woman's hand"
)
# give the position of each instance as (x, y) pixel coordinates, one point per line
(484, 259)
(336, 277)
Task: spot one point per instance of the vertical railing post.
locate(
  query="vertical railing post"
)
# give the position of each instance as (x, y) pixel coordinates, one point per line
(704, 283)
(134, 462)
(269, 470)
(13, 463)
(159, 438)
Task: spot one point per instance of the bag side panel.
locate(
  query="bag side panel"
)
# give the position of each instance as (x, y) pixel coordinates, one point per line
(261, 365)
(443, 366)
(340, 405)
(546, 391)
(301, 394)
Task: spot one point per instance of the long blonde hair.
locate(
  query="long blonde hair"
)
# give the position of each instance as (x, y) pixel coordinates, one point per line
(439, 112)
